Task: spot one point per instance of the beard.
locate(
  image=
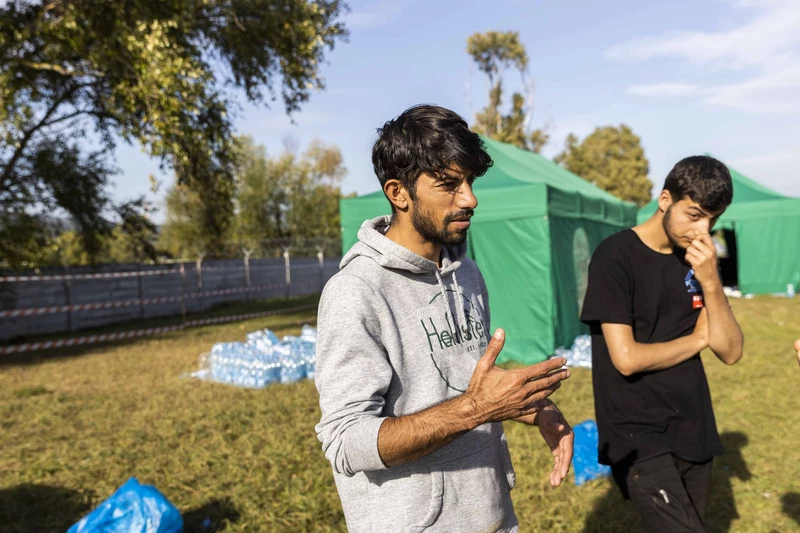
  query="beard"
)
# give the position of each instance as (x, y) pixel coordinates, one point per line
(666, 223)
(425, 225)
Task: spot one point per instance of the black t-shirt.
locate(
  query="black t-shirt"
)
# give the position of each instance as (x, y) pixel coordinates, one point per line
(650, 413)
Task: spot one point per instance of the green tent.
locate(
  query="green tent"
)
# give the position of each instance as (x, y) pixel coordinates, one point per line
(762, 232)
(532, 236)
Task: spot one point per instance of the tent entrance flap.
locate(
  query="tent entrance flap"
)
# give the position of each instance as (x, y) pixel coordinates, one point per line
(728, 257)
(572, 242)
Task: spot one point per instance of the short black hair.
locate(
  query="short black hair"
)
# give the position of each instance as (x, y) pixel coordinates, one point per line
(702, 179)
(427, 139)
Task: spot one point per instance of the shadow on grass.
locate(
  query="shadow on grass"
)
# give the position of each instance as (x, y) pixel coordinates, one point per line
(791, 506)
(721, 510)
(41, 508)
(612, 514)
(216, 515)
(32, 358)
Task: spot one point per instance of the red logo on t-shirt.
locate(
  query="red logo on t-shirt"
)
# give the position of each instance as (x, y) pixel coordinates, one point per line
(697, 301)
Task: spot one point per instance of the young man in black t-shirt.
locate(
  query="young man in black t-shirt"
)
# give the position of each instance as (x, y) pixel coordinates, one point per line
(653, 302)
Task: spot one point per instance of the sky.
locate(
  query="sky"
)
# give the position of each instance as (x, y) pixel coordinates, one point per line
(688, 76)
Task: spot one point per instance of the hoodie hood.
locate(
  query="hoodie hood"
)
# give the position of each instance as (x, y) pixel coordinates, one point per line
(373, 243)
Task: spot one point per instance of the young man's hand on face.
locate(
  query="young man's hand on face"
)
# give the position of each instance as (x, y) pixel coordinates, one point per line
(702, 256)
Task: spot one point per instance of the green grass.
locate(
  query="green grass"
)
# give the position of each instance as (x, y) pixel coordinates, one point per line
(76, 425)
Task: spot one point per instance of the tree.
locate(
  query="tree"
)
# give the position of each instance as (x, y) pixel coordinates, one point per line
(134, 239)
(611, 158)
(315, 194)
(262, 198)
(33, 242)
(183, 235)
(154, 72)
(55, 243)
(285, 199)
(291, 197)
(495, 53)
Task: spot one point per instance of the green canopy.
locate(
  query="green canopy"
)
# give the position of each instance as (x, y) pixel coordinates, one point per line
(765, 226)
(533, 234)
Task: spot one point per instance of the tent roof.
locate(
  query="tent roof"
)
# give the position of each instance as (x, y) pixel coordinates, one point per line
(747, 190)
(526, 167)
(515, 167)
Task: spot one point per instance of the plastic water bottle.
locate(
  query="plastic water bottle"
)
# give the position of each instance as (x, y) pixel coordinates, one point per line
(262, 360)
(292, 369)
(305, 352)
(309, 334)
(262, 338)
(790, 290)
(580, 354)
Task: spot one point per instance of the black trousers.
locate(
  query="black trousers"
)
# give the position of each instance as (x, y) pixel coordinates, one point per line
(670, 494)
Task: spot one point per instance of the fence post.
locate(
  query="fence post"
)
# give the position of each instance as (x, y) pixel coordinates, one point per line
(288, 268)
(68, 298)
(321, 259)
(141, 293)
(247, 284)
(198, 268)
(183, 294)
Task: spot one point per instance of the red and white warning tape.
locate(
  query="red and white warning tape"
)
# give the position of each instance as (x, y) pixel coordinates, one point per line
(256, 267)
(110, 275)
(31, 311)
(105, 275)
(106, 337)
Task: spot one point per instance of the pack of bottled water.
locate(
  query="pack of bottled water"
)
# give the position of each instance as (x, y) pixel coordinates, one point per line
(580, 354)
(261, 360)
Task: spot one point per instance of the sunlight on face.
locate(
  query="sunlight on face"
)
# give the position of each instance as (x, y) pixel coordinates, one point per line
(685, 220)
(443, 207)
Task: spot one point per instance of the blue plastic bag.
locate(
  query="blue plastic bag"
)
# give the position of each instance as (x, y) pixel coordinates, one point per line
(133, 508)
(584, 460)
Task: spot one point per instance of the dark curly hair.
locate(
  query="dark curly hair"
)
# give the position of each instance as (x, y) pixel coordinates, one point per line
(702, 179)
(427, 139)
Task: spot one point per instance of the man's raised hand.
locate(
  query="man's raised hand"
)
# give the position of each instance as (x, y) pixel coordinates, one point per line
(497, 394)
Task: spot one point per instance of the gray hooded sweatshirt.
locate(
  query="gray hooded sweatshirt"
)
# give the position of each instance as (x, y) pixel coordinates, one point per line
(396, 335)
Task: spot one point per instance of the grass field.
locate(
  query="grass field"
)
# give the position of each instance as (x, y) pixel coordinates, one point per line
(76, 425)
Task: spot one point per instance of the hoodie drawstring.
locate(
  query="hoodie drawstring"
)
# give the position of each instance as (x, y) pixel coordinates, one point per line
(459, 314)
(441, 290)
(460, 298)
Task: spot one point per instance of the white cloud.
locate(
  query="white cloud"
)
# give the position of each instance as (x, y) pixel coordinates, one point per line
(773, 92)
(771, 37)
(664, 89)
(767, 47)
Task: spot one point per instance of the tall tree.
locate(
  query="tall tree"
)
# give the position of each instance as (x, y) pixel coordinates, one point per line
(495, 53)
(183, 235)
(262, 198)
(611, 158)
(291, 196)
(288, 198)
(314, 196)
(148, 71)
(133, 240)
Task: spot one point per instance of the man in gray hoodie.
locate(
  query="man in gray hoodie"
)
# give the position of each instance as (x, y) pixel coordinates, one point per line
(412, 402)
